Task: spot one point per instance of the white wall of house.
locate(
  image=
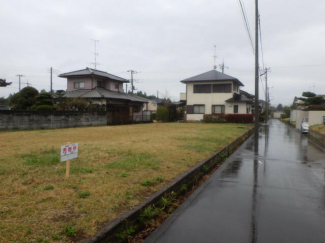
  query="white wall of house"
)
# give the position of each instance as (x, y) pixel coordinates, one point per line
(210, 99)
(277, 114)
(242, 108)
(72, 80)
(293, 115)
(110, 85)
(90, 83)
(182, 96)
(207, 99)
(300, 115)
(315, 117)
(152, 106)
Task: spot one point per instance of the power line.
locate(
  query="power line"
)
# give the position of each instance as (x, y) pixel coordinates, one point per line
(246, 23)
(259, 26)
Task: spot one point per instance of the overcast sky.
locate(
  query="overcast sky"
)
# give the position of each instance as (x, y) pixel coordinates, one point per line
(164, 41)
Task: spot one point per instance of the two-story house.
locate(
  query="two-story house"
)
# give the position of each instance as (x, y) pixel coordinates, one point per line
(105, 90)
(214, 92)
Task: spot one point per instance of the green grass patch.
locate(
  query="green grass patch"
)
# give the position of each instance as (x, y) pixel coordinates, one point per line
(124, 175)
(199, 148)
(76, 170)
(84, 194)
(147, 183)
(132, 161)
(71, 186)
(159, 178)
(3, 171)
(48, 187)
(69, 230)
(46, 157)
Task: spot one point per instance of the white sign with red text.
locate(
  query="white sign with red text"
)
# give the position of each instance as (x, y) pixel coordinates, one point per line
(69, 151)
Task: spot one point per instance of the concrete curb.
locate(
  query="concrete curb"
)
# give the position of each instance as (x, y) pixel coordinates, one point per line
(130, 218)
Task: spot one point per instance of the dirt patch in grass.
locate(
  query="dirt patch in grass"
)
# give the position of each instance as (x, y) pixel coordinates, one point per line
(118, 167)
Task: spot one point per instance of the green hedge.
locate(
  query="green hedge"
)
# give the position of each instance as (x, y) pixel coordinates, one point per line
(228, 118)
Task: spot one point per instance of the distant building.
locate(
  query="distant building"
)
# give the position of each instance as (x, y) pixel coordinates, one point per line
(106, 90)
(214, 92)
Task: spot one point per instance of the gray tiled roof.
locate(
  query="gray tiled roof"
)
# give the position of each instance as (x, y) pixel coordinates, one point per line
(246, 93)
(212, 75)
(239, 98)
(105, 94)
(89, 71)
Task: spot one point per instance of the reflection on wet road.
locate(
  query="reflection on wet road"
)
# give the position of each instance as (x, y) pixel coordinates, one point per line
(275, 194)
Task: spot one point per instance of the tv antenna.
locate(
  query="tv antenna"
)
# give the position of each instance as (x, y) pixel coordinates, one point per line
(215, 57)
(95, 53)
(222, 66)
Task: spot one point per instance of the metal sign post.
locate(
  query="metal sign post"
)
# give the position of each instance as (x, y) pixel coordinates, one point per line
(69, 152)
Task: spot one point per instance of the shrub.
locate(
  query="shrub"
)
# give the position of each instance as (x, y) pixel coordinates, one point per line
(153, 116)
(45, 107)
(228, 118)
(162, 114)
(214, 118)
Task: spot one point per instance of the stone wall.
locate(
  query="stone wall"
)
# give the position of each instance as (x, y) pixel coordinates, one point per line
(317, 137)
(32, 120)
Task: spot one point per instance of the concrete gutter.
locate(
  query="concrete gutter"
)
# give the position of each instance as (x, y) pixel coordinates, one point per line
(190, 178)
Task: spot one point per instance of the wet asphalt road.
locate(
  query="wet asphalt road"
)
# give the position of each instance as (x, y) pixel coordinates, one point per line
(276, 196)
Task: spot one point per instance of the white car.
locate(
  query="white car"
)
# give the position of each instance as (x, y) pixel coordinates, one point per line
(304, 125)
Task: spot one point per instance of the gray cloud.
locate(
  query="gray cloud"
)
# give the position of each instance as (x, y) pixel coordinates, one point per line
(165, 41)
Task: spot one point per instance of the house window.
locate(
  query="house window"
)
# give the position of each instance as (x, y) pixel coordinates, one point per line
(221, 88)
(79, 85)
(116, 86)
(218, 109)
(202, 88)
(199, 109)
(248, 110)
(235, 108)
(100, 84)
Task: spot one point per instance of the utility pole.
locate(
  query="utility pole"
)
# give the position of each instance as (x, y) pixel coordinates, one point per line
(96, 54)
(132, 72)
(20, 75)
(266, 95)
(222, 66)
(256, 128)
(27, 83)
(51, 80)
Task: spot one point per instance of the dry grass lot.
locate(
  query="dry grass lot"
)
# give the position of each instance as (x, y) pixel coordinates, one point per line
(318, 128)
(118, 167)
